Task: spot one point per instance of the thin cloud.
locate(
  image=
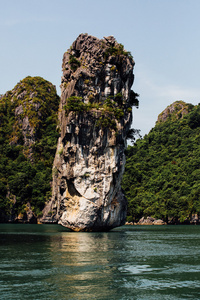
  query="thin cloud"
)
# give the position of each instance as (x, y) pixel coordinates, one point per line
(19, 21)
(151, 87)
(155, 96)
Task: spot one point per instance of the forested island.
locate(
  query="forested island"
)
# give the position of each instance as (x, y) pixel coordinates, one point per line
(28, 139)
(162, 175)
(162, 172)
(66, 154)
(62, 158)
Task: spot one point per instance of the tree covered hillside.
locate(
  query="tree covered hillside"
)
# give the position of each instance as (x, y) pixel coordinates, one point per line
(162, 175)
(28, 138)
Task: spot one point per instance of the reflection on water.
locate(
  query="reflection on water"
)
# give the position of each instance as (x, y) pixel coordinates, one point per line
(82, 264)
(49, 262)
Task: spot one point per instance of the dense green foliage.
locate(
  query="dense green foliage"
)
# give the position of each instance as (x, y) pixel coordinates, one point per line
(112, 108)
(162, 175)
(25, 168)
(75, 104)
(117, 50)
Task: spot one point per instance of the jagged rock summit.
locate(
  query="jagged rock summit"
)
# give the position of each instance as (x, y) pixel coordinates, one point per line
(174, 111)
(95, 116)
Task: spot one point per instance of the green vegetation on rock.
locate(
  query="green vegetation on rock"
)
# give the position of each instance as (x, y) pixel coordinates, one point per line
(112, 108)
(74, 63)
(117, 50)
(75, 104)
(28, 139)
(162, 175)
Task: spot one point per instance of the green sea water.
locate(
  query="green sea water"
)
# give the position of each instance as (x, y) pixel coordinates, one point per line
(130, 262)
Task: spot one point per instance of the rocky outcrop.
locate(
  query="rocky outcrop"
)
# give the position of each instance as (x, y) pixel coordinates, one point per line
(27, 216)
(174, 111)
(95, 116)
(150, 221)
(33, 99)
(195, 219)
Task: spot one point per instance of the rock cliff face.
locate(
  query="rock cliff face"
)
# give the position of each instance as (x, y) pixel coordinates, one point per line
(95, 116)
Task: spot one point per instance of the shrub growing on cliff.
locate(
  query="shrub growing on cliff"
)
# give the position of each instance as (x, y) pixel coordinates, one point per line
(117, 50)
(75, 104)
(106, 121)
(134, 99)
(112, 109)
(74, 63)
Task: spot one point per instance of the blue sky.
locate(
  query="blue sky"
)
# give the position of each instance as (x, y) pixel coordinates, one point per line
(162, 35)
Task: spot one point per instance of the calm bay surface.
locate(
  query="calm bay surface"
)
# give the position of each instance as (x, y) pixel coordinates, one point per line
(130, 262)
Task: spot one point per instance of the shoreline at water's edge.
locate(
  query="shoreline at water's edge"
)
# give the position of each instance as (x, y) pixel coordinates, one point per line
(194, 220)
(158, 222)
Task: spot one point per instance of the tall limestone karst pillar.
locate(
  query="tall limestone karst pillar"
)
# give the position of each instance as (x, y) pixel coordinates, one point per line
(95, 116)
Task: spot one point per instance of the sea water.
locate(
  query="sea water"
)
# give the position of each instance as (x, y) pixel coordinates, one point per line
(129, 262)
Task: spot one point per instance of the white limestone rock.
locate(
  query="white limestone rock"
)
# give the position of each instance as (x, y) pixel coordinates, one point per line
(89, 162)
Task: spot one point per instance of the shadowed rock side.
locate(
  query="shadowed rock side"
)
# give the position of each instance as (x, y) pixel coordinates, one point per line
(95, 116)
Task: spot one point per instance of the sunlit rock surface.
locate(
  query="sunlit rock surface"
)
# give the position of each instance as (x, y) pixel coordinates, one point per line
(94, 125)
